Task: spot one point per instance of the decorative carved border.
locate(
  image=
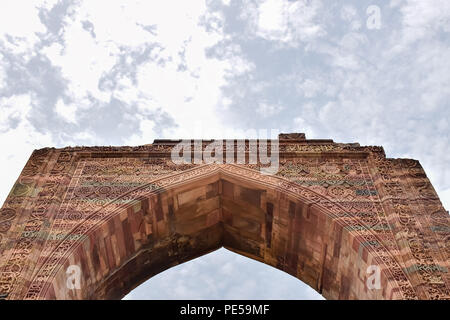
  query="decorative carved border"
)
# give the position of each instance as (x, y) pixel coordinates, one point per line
(37, 200)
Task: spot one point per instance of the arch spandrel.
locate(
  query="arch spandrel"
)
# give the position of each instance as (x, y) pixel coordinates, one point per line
(78, 191)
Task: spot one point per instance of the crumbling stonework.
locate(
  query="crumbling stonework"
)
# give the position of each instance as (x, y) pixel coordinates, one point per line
(124, 214)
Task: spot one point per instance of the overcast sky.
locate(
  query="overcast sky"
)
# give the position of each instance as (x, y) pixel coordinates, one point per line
(126, 72)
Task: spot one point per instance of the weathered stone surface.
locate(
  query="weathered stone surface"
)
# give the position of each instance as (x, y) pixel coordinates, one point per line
(124, 214)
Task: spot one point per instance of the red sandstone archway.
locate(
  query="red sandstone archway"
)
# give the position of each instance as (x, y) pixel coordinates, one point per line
(123, 214)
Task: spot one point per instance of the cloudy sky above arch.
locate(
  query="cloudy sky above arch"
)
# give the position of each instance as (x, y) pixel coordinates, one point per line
(127, 72)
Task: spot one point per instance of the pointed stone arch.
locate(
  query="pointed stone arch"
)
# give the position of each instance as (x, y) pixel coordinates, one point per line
(203, 209)
(124, 214)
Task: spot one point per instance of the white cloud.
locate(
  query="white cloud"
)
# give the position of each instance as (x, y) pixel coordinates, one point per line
(66, 111)
(285, 21)
(14, 109)
(19, 24)
(309, 88)
(301, 125)
(353, 41)
(179, 37)
(421, 19)
(2, 73)
(82, 56)
(18, 140)
(445, 198)
(83, 138)
(268, 110)
(272, 16)
(146, 136)
(348, 12)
